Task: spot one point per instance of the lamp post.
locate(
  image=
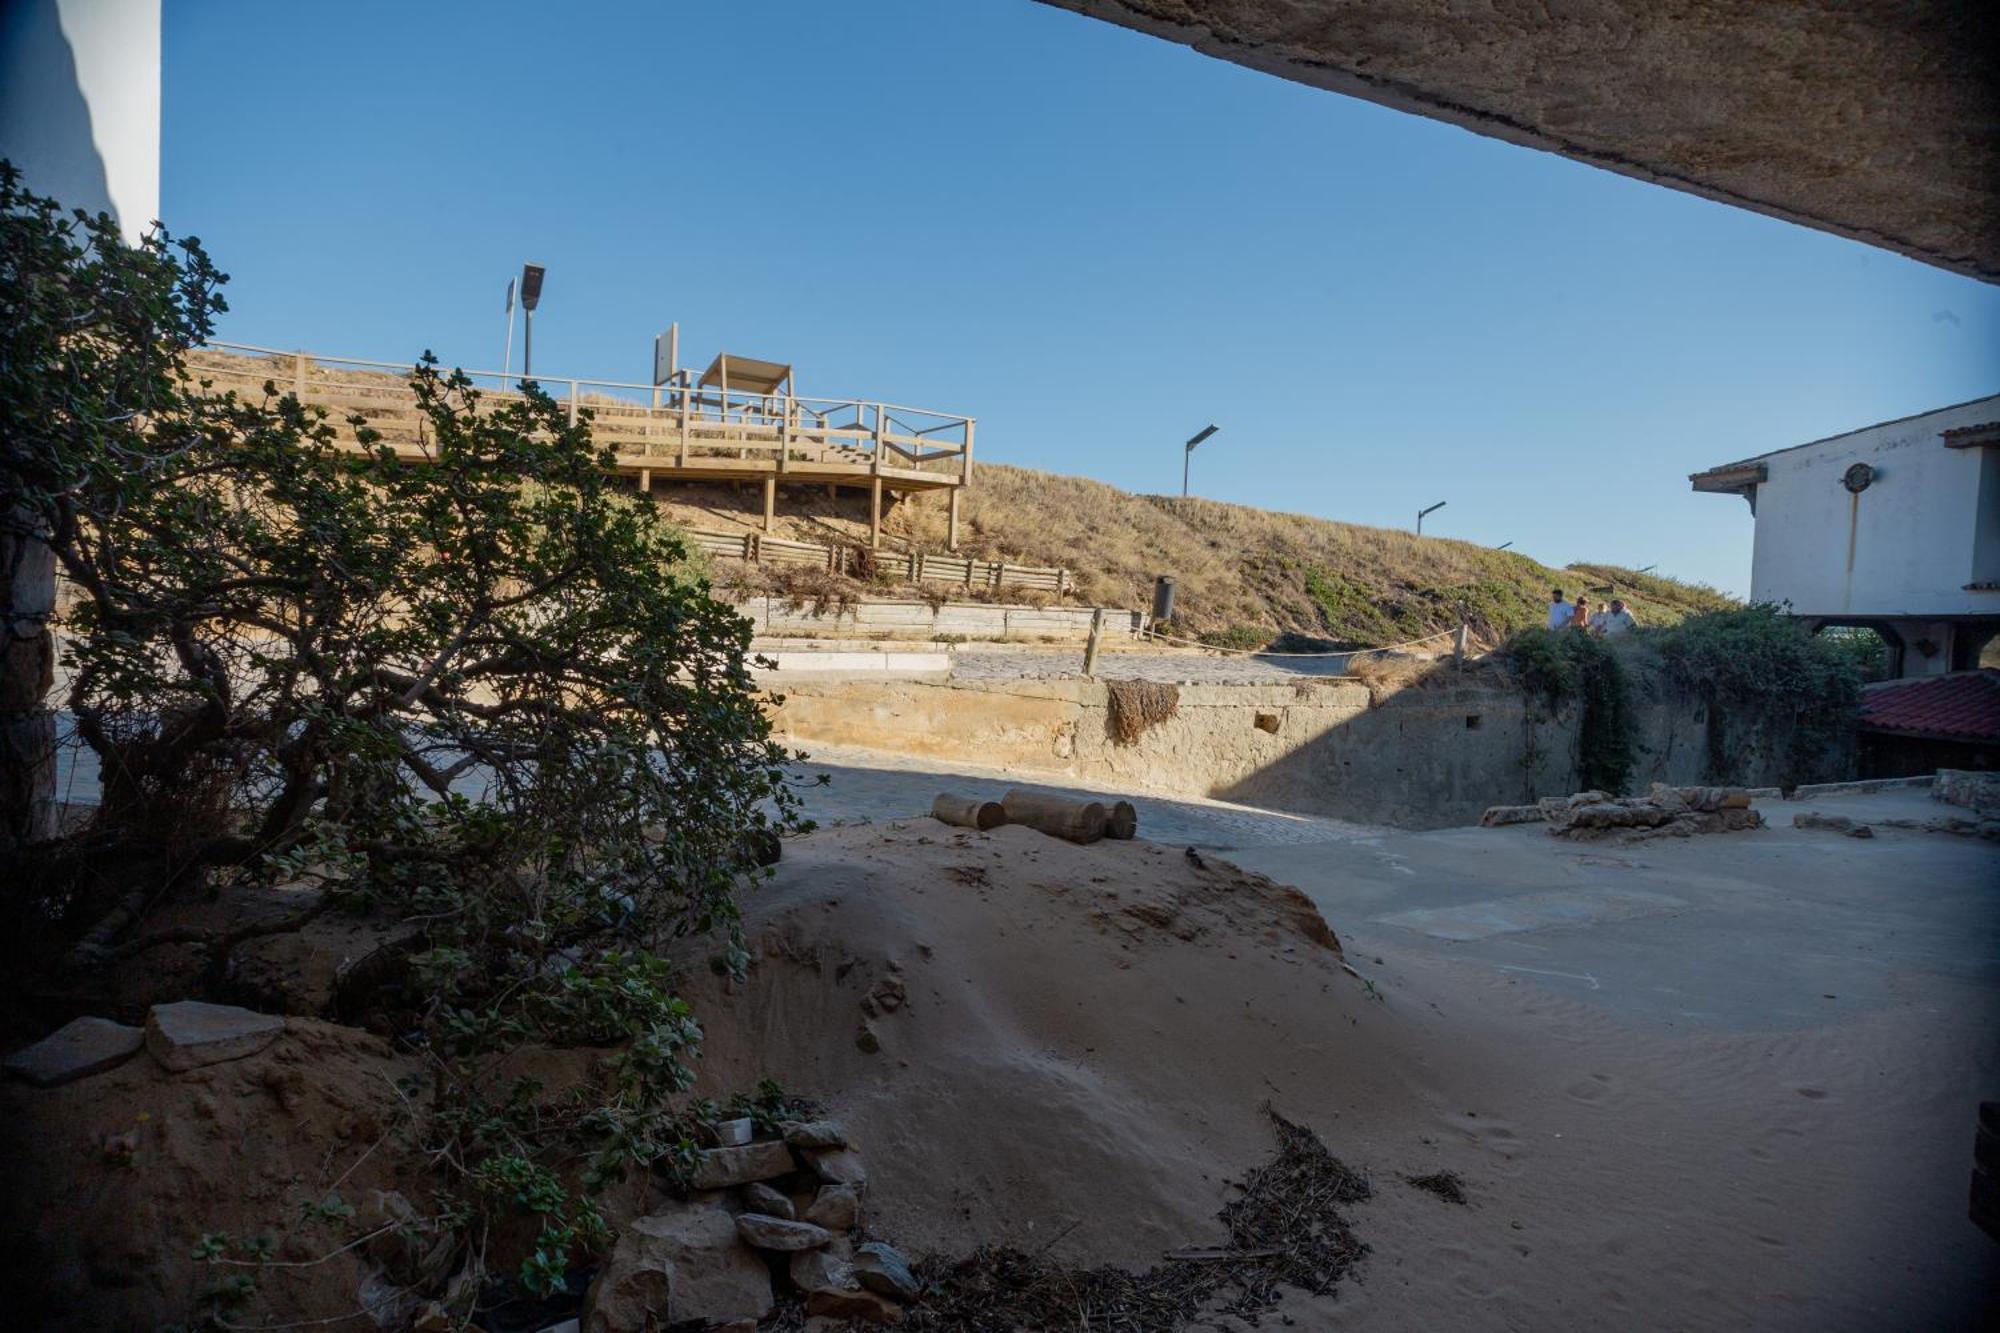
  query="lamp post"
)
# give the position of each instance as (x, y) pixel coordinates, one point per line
(1187, 455)
(507, 348)
(531, 296)
(1421, 512)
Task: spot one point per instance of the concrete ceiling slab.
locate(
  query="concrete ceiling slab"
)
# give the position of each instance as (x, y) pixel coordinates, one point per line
(1872, 119)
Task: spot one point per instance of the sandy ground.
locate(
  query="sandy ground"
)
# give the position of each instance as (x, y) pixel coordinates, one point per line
(1725, 1082)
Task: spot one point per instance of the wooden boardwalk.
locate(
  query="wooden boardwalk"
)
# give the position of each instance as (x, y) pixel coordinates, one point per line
(663, 434)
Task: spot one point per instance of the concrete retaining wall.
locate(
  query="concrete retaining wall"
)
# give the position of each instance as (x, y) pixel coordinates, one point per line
(921, 620)
(1424, 757)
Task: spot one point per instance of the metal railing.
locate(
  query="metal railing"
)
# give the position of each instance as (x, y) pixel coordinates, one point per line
(649, 427)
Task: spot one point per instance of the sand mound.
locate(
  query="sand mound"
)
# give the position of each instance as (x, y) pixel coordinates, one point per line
(112, 1181)
(1038, 1042)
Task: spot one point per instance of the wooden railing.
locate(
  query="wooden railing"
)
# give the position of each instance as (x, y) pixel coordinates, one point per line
(650, 427)
(905, 566)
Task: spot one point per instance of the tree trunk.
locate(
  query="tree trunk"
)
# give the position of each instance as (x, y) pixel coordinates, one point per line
(27, 670)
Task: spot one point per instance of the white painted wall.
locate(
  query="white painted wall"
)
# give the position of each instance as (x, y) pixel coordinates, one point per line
(1926, 527)
(80, 103)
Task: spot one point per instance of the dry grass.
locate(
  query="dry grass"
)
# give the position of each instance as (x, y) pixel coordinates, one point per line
(1136, 705)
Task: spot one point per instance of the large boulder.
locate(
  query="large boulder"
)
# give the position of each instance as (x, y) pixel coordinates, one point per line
(682, 1264)
(882, 1268)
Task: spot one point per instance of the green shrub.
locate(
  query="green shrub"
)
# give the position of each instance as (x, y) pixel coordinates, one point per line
(1562, 666)
(1757, 667)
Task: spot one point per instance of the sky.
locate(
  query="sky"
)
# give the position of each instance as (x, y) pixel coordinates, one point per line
(1093, 241)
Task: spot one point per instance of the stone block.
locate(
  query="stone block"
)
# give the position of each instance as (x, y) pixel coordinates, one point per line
(777, 1233)
(835, 1207)
(192, 1033)
(77, 1049)
(837, 1166)
(882, 1268)
(683, 1264)
(720, 1168)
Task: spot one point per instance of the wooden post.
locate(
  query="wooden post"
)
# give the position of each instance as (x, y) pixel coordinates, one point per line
(572, 402)
(968, 812)
(875, 511)
(951, 532)
(965, 464)
(1458, 644)
(1074, 821)
(646, 480)
(686, 392)
(299, 377)
(1095, 645)
(770, 502)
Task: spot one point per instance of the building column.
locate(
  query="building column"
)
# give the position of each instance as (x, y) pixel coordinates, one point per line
(770, 502)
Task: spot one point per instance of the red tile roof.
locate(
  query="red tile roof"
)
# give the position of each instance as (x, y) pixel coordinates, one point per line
(1962, 706)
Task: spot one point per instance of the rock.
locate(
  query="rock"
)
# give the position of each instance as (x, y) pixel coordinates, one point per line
(867, 1306)
(77, 1049)
(835, 1207)
(761, 1198)
(415, 1251)
(882, 1268)
(831, 1266)
(1832, 823)
(720, 1168)
(837, 1166)
(683, 1264)
(191, 1034)
(1861, 831)
(1498, 815)
(866, 1040)
(776, 1233)
(387, 1305)
(816, 1134)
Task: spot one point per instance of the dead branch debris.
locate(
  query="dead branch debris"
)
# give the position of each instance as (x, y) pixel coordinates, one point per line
(1137, 705)
(1284, 1227)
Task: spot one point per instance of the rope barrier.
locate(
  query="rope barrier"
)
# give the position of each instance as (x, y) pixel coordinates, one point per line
(1337, 652)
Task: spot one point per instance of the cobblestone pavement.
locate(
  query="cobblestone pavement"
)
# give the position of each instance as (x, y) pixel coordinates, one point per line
(1168, 668)
(867, 785)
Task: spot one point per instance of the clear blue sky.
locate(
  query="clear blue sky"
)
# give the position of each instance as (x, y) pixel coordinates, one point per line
(1094, 241)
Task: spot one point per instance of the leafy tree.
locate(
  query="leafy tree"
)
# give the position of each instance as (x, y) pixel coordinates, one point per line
(480, 688)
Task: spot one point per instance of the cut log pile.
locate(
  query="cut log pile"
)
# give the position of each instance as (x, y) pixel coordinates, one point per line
(1075, 821)
(1664, 811)
(762, 1218)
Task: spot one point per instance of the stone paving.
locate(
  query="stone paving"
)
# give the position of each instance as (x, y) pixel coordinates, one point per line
(867, 785)
(1188, 668)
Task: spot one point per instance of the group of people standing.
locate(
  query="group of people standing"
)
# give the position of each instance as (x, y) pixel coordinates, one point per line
(1607, 623)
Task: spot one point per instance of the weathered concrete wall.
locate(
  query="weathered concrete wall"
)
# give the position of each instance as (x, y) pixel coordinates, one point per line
(922, 620)
(1873, 119)
(1429, 756)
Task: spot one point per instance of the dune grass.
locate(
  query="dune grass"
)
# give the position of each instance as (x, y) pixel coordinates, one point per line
(1246, 576)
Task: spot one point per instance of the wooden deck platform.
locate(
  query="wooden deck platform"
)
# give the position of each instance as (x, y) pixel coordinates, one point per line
(659, 434)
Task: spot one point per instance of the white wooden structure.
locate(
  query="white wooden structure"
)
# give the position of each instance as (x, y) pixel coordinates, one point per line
(1894, 526)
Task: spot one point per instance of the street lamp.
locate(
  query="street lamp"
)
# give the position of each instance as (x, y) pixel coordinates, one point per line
(1421, 512)
(1187, 455)
(507, 348)
(531, 296)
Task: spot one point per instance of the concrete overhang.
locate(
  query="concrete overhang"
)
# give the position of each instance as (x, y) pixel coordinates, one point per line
(1877, 120)
(1733, 479)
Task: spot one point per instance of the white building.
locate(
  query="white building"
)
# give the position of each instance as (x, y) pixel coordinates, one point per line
(1895, 527)
(80, 104)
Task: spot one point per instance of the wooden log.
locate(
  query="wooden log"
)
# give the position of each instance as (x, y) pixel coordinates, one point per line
(1123, 823)
(1059, 817)
(967, 812)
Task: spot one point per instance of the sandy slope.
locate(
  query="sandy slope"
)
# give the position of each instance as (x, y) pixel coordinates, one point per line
(1068, 1065)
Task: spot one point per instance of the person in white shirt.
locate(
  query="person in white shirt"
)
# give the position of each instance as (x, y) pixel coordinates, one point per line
(1560, 611)
(1617, 620)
